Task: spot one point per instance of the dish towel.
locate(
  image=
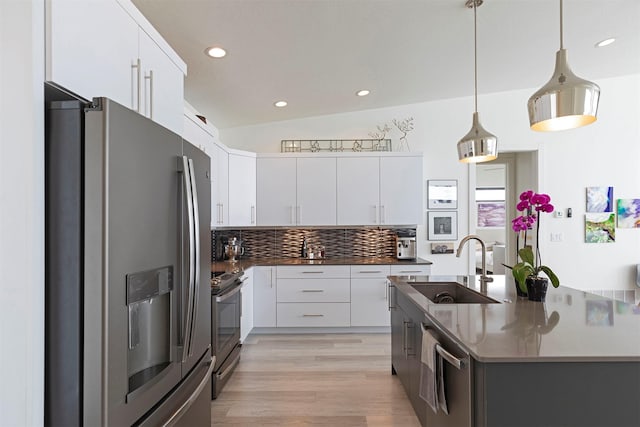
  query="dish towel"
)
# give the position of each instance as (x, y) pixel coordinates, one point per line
(428, 369)
(432, 373)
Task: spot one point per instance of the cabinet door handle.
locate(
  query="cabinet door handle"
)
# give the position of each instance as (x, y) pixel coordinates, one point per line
(150, 78)
(375, 214)
(390, 294)
(407, 326)
(312, 290)
(313, 315)
(312, 272)
(271, 278)
(253, 214)
(369, 272)
(138, 91)
(404, 337)
(410, 271)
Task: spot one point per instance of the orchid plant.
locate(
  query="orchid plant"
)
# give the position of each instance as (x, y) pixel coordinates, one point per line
(532, 205)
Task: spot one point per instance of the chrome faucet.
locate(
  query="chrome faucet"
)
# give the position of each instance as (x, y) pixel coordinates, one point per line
(484, 279)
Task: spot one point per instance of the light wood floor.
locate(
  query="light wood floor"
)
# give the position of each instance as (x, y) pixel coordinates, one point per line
(314, 379)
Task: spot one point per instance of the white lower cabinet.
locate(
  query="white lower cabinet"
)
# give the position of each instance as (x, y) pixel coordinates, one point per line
(325, 295)
(246, 318)
(411, 270)
(313, 290)
(370, 295)
(313, 314)
(314, 295)
(264, 297)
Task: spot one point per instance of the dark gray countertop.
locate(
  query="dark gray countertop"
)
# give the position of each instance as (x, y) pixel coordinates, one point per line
(243, 264)
(571, 325)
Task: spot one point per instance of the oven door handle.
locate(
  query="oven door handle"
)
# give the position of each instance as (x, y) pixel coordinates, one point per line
(221, 375)
(227, 295)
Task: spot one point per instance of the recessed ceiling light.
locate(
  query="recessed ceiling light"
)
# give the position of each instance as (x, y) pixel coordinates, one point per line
(363, 92)
(215, 52)
(280, 104)
(606, 42)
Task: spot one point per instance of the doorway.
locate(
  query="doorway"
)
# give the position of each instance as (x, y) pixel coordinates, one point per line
(497, 186)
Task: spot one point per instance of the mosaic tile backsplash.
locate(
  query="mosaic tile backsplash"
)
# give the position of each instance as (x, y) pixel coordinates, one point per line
(338, 242)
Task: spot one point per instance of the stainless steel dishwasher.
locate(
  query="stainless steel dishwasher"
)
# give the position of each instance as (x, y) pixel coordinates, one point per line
(458, 379)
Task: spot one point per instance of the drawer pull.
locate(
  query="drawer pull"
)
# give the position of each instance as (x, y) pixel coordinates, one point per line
(312, 272)
(411, 271)
(378, 271)
(312, 290)
(313, 315)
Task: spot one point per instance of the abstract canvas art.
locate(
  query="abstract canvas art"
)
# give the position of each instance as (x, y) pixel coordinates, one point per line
(600, 228)
(628, 213)
(599, 199)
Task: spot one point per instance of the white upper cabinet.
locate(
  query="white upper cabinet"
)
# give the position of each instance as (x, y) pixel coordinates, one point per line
(196, 135)
(221, 178)
(276, 191)
(401, 190)
(339, 189)
(316, 191)
(103, 48)
(242, 189)
(162, 84)
(88, 58)
(358, 190)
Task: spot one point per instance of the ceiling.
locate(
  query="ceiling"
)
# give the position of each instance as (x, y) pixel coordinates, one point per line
(316, 54)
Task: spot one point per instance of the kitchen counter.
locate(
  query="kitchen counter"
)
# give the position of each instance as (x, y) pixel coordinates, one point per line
(571, 325)
(243, 264)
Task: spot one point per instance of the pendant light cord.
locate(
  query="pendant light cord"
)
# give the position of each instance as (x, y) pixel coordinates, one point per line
(475, 55)
(561, 29)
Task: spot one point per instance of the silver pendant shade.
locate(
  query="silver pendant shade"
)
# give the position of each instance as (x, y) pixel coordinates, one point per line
(566, 101)
(478, 145)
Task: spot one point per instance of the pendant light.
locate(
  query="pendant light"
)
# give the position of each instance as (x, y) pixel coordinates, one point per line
(478, 145)
(566, 101)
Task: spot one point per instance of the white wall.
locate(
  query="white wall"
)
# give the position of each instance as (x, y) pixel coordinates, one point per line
(21, 212)
(605, 153)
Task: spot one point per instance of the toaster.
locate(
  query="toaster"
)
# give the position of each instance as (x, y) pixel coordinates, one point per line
(406, 247)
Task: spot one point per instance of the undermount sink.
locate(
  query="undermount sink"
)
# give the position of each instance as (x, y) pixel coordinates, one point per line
(451, 293)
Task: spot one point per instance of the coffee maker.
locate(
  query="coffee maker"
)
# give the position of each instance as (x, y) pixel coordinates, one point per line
(233, 249)
(405, 247)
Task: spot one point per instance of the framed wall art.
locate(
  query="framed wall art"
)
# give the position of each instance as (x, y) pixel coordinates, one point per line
(629, 213)
(442, 248)
(599, 199)
(443, 225)
(442, 194)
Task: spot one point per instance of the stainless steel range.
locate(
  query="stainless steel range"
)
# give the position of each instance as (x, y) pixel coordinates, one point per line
(226, 309)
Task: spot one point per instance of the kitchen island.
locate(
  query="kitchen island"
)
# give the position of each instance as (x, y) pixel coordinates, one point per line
(572, 360)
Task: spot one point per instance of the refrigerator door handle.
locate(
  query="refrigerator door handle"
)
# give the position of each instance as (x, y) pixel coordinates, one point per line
(196, 261)
(188, 324)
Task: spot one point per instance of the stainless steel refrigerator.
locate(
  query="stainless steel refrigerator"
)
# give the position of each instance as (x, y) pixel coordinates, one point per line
(128, 251)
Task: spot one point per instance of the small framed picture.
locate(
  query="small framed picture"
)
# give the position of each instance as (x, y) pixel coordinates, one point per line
(442, 248)
(443, 225)
(442, 194)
